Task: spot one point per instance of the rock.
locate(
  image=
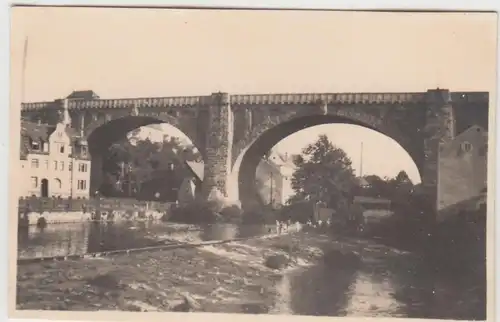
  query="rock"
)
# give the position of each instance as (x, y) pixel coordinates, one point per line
(189, 304)
(107, 281)
(277, 261)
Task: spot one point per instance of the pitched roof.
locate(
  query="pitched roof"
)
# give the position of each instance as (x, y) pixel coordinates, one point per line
(83, 95)
(41, 132)
(37, 132)
(362, 181)
(476, 135)
(198, 168)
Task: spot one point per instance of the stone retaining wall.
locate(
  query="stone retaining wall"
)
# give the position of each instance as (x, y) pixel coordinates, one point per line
(34, 218)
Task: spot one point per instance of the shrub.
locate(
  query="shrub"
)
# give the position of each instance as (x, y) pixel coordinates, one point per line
(232, 213)
(260, 216)
(41, 222)
(194, 213)
(301, 212)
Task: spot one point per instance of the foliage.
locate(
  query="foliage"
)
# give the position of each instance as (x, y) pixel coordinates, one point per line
(298, 211)
(200, 211)
(231, 213)
(195, 213)
(143, 168)
(261, 215)
(323, 174)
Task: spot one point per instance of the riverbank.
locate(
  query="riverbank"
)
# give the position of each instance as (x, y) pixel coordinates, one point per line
(46, 218)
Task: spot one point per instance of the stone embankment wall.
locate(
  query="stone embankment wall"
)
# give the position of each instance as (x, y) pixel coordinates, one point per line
(56, 210)
(35, 218)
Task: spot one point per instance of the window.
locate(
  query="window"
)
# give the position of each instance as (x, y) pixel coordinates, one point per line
(34, 163)
(82, 167)
(82, 185)
(70, 166)
(84, 151)
(466, 147)
(61, 148)
(55, 165)
(58, 183)
(46, 162)
(35, 145)
(34, 182)
(61, 165)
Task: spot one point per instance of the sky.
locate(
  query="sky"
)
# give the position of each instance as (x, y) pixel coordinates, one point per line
(122, 53)
(348, 137)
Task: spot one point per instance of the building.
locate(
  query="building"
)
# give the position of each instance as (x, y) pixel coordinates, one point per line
(462, 170)
(272, 174)
(54, 160)
(273, 178)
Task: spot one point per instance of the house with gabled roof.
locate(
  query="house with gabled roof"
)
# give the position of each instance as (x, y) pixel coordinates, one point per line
(54, 160)
(462, 170)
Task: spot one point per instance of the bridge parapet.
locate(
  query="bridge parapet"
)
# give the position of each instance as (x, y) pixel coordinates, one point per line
(330, 98)
(258, 99)
(36, 106)
(153, 102)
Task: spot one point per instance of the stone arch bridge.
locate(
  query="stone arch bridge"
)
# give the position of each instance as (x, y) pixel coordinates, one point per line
(233, 132)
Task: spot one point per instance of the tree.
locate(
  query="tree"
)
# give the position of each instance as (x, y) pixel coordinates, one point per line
(144, 162)
(377, 187)
(323, 174)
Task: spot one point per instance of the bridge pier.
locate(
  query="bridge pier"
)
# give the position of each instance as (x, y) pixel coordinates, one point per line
(218, 147)
(439, 128)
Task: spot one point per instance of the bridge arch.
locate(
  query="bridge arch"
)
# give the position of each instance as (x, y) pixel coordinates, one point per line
(243, 175)
(103, 133)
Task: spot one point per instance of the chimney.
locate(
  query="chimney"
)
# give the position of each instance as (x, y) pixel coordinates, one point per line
(66, 118)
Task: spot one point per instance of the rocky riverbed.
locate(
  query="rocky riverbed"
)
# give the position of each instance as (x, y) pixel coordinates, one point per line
(220, 278)
(302, 273)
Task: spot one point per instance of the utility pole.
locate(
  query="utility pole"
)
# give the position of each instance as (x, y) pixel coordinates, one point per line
(23, 79)
(271, 189)
(71, 165)
(361, 162)
(129, 180)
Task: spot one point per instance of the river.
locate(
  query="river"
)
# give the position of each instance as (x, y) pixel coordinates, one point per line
(401, 286)
(387, 282)
(91, 237)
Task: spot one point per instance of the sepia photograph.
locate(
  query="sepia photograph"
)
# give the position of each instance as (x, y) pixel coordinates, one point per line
(272, 162)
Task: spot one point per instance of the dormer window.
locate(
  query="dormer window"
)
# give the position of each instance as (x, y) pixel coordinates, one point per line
(35, 145)
(84, 151)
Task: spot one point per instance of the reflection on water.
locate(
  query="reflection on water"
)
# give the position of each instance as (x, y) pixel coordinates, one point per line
(369, 297)
(82, 238)
(376, 289)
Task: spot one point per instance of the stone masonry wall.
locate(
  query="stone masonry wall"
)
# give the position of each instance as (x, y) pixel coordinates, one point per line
(439, 128)
(218, 146)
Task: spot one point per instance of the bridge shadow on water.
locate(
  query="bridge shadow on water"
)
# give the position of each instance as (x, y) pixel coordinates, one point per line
(381, 285)
(320, 291)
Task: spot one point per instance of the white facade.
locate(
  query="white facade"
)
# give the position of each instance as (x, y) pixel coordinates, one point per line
(50, 170)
